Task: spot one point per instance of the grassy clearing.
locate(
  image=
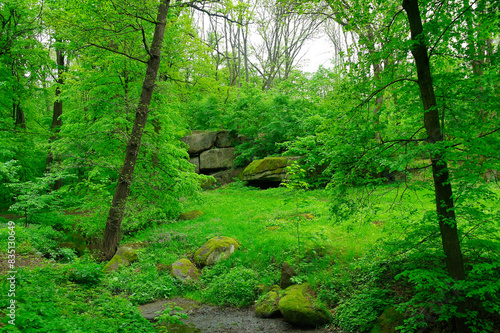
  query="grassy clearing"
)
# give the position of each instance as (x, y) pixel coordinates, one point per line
(361, 253)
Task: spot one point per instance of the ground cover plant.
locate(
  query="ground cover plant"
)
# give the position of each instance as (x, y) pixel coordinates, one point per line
(359, 266)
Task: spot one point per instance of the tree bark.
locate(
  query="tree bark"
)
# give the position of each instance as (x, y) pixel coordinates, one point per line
(117, 209)
(442, 187)
(55, 127)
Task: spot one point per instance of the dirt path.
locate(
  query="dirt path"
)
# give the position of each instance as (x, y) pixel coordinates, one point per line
(204, 318)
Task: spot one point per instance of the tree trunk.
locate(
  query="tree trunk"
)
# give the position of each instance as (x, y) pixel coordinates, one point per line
(55, 127)
(117, 209)
(18, 115)
(442, 188)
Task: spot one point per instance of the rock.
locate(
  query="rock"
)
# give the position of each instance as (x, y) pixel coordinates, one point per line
(160, 267)
(298, 307)
(191, 215)
(196, 162)
(199, 141)
(268, 172)
(273, 228)
(287, 273)
(388, 321)
(184, 270)
(226, 139)
(226, 176)
(214, 250)
(267, 306)
(122, 257)
(217, 159)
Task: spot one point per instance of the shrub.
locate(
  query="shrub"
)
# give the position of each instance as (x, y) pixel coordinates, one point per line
(238, 288)
(85, 271)
(358, 312)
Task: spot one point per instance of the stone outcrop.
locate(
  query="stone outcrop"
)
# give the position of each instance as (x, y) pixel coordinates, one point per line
(267, 172)
(199, 141)
(217, 159)
(122, 257)
(214, 152)
(215, 250)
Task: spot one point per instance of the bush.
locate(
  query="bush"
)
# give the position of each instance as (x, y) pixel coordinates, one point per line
(238, 288)
(85, 271)
(359, 312)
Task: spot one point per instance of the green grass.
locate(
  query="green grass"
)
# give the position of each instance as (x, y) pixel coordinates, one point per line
(349, 247)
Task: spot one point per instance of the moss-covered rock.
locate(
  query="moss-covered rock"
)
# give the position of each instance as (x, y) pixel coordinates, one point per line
(127, 253)
(298, 307)
(184, 270)
(214, 250)
(191, 215)
(267, 306)
(268, 169)
(388, 321)
(123, 256)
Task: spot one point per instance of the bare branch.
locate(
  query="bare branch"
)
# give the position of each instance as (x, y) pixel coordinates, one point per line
(373, 94)
(117, 52)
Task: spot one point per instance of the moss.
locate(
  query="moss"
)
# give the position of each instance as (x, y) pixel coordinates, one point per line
(388, 321)
(191, 215)
(184, 270)
(271, 164)
(214, 250)
(298, 309)
(267, 306)
(114, 263)
(127, 253)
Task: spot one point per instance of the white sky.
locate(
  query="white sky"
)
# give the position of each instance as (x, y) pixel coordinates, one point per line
(315, 53)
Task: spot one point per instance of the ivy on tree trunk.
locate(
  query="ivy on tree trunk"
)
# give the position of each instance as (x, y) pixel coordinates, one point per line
(117, 209)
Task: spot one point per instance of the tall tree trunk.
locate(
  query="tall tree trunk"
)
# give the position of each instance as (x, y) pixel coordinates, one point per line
(442, 187)
(55, 127)
(18, 115)
(117, 209)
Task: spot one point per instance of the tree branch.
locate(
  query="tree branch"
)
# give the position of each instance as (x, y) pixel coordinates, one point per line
(373, 94)
(117, 52)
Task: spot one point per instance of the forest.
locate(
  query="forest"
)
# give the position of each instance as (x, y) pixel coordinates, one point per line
(385, 213)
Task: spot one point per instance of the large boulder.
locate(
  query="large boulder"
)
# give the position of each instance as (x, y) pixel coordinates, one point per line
(226, 176)
(184, 270)
(267, 172)
(214, 250)
(226, 139)
(196, 162)
(123, 256)
(217, 159)
(267, 306)
(199, 141)
(298, 307)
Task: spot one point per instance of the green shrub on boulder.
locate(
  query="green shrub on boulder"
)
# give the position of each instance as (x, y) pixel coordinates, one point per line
(298, 307)
(214, 250)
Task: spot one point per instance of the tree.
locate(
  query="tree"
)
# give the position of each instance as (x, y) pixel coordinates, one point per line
(117, 209)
